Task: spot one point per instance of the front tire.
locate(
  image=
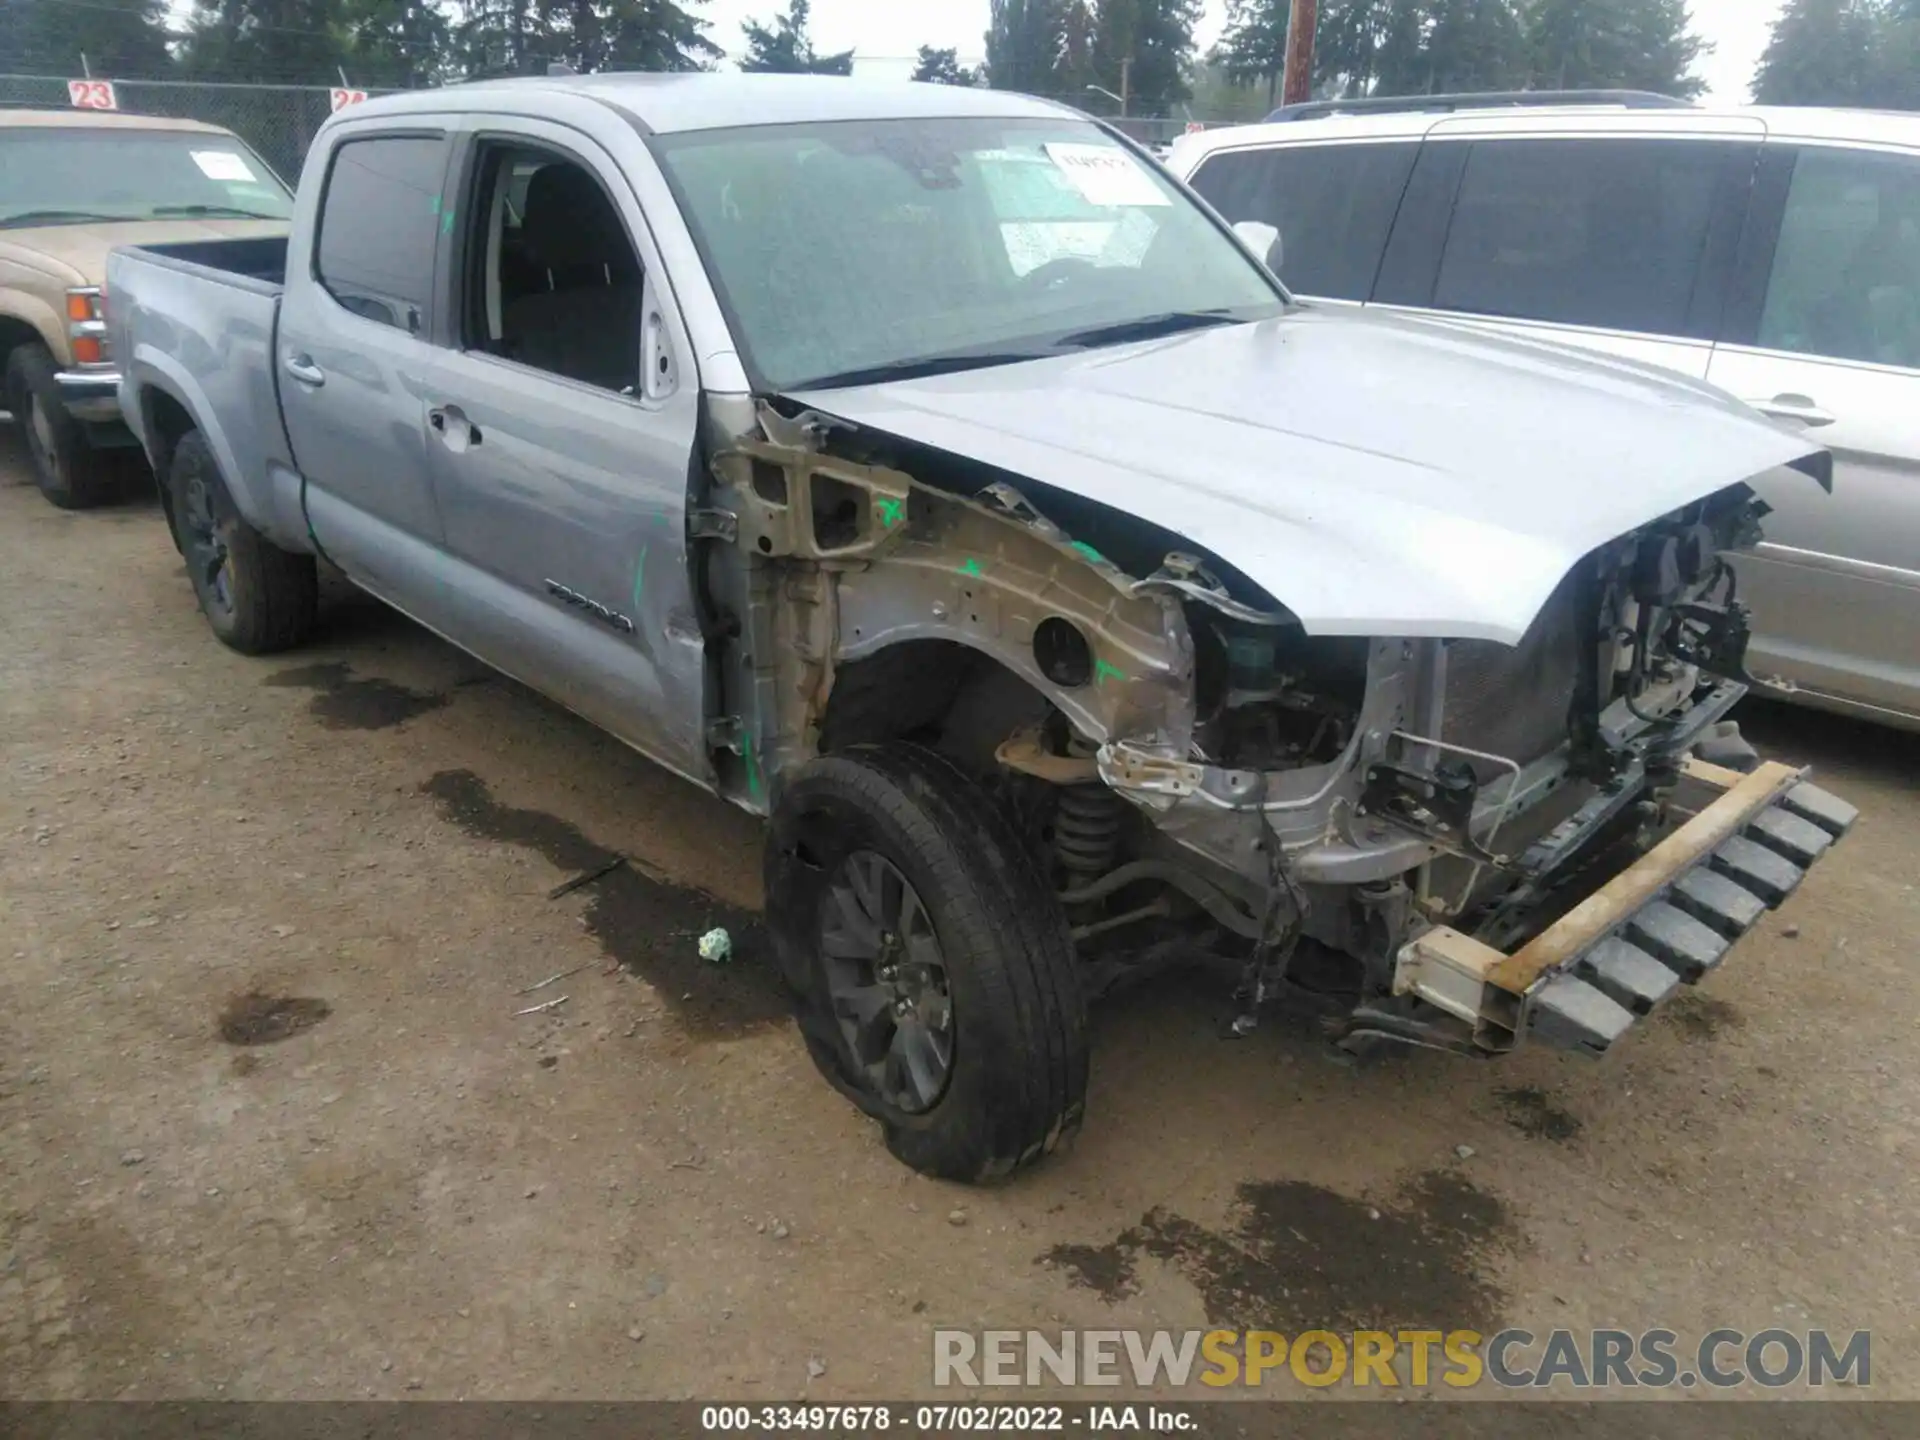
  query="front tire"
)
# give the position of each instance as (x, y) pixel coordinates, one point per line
(931, 966)
(69, 471)
(257, 597)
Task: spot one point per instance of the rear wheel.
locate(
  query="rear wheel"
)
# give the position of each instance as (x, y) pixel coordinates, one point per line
(933, 973)
(257, 597)
(69, 471)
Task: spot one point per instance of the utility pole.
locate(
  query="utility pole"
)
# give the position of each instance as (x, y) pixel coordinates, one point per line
(1299, 84)
(1126, 85)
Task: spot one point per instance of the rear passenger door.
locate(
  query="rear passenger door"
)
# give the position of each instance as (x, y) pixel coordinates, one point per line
(1332, 204)
(1621, 243)
(1824, 334)
(354, 352)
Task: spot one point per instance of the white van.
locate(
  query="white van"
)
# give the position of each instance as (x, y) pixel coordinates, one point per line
(1775, 253)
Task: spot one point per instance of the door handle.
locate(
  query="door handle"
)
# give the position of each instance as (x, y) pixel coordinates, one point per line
(302, 368)
(1796, 407)
(451, 424)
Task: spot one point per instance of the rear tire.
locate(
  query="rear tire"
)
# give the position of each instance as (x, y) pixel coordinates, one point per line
(983, 944)
(68, 470)
(257, 597)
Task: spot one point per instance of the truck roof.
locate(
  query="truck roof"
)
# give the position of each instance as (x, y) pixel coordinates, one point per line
(100, 120)
(670, 103)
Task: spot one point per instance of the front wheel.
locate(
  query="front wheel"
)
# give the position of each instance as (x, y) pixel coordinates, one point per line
(257, 597)
(931, 966)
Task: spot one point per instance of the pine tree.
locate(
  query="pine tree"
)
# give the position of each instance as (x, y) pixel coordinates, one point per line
(1151, 41)
(292, 42)
(942, 67)
(785, 48)
(124, 39)
(397, 43)
(1822, 53)
(1475, 45)
(1037, 46)
(1254, 46)
(1603, 44)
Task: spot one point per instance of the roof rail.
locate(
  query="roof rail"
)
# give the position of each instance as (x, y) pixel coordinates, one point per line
(1490, 100)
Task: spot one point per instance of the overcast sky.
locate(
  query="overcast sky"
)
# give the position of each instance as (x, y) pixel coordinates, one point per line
(884, 34)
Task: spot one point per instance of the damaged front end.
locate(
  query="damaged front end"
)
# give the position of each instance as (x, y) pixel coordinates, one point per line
(1450, 843)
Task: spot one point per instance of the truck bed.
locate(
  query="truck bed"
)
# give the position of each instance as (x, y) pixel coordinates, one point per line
(197, 321)
(258, 258)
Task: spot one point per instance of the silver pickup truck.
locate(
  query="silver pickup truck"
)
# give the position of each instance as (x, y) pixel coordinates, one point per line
(926, 469)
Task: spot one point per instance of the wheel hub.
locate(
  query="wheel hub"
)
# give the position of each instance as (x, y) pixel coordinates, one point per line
(888, 981)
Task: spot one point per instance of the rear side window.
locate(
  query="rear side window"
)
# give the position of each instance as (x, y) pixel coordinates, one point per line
(1332, 204)
(1602, 233)
(1846, 276)
(379, 224)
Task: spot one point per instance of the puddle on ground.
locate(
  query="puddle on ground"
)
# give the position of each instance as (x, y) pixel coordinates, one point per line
(1702, 1017)
(1531, 1111)
(345, 701)
(1300, 1257)
(649, 925)
(259, 1019)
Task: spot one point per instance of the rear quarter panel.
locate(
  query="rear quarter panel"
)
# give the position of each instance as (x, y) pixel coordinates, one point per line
(205, 338)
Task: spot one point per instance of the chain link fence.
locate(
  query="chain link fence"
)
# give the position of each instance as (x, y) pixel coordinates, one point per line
(278, 121)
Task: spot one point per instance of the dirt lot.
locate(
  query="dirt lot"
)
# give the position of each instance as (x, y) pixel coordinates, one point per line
(374, 1179)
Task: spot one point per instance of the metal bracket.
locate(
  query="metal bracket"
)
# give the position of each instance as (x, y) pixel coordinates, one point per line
(1720, 647)
(1434, 804)
(713, 525)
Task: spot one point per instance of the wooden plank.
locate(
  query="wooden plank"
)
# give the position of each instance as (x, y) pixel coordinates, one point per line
(1633, 887)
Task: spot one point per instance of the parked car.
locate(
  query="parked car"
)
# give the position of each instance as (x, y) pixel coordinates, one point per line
(1775, 253)
(74, 184)
(925, 469)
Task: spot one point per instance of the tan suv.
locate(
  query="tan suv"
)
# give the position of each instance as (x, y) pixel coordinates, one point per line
(74, 184)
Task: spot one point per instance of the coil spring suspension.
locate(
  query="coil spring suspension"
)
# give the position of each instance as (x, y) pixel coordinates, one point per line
(1086, 832)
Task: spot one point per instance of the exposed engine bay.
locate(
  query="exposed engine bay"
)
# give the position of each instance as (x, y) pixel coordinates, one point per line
(1200, 776)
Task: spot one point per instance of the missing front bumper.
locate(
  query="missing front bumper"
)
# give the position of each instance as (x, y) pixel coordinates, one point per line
(1665, 921)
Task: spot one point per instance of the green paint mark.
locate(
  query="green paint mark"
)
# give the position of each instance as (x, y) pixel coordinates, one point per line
(889, 510)
(1087, 550)
(972, 567)
(753, 767)
(446, 223)
(1101, 670)
(639, 578)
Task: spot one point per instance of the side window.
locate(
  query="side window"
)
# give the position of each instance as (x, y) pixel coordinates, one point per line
(379, 223)
(1333, 205)
(1605, 233)
(551, 278)
(1846, 275)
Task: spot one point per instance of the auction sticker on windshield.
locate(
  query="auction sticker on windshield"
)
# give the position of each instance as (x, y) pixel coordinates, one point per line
(1106, 175)
(222, 165)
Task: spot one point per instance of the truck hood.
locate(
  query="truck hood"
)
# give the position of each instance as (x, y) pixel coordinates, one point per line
(77, 254)
(1376, 475)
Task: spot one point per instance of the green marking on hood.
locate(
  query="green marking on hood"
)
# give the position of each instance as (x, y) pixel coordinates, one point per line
(1089, 552)
(889, 509)
(972, 567)
(1101, 670)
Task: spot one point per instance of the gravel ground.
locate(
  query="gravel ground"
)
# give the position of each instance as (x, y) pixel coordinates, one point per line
(270, 1126)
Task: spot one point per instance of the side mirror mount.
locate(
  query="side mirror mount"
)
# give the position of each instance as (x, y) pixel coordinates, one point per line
(1264, 240)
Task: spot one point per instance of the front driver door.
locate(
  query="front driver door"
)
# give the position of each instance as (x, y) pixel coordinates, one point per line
(561, 432)
(1828, 340)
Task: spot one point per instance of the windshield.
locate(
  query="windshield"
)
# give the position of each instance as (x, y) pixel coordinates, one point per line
(74, 177)
(846, 251)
